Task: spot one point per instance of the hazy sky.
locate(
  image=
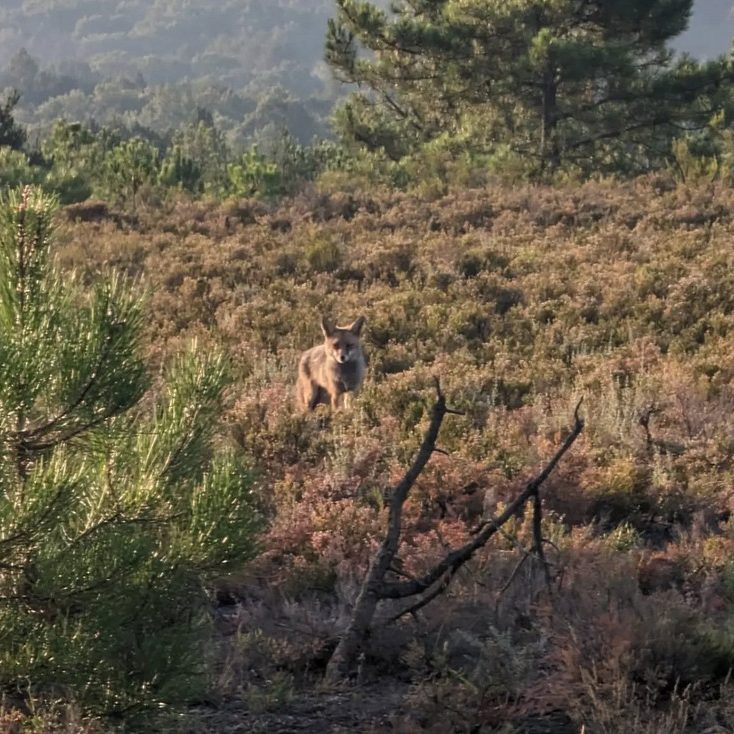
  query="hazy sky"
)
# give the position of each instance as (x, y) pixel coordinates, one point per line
(711, 30)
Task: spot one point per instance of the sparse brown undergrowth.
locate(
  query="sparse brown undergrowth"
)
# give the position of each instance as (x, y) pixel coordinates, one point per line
(522, 301)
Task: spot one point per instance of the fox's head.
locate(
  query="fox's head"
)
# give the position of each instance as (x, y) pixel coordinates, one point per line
(342, 342)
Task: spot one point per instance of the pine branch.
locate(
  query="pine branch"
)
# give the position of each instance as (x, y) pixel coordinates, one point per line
(26, 435)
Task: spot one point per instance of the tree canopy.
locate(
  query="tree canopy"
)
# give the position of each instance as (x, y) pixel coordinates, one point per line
(128, 62)
(592, 84)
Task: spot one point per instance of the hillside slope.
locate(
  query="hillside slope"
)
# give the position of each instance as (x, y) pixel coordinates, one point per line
(521, 302)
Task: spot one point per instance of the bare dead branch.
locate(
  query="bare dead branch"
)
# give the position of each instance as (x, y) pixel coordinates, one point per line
(398, 570)
(436, 591)
(457, 558)
(375, 588)
(538, 536)
(514, 573)
(400, 492)
(370, 594)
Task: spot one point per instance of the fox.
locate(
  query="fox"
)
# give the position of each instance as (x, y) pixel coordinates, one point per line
(332, 372)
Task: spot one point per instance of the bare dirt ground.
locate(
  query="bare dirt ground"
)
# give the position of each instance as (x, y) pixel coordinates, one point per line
(368, 709)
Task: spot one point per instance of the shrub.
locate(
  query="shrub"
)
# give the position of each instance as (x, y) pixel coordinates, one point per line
(522, 300)
(323, 255)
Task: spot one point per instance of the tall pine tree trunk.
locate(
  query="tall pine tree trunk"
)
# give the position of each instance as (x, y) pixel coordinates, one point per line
(549, 152)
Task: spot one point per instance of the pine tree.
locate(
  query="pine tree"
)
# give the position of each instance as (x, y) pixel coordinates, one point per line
(11, 133)
(115, 509)
(75, 158)
(205, 147)
(128, 167)
(180, 171)
(586, 83)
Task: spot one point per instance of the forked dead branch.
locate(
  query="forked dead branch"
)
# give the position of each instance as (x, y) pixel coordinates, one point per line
(375, 588)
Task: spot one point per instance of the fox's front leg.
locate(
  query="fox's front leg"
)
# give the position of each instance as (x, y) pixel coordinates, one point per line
(336, 400)
(307, 394)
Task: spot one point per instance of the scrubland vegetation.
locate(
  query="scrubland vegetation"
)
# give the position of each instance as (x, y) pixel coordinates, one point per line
(182, 549)
(521, 301)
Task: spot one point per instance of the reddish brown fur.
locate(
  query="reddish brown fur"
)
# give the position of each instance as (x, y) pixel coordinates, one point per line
(333, 370)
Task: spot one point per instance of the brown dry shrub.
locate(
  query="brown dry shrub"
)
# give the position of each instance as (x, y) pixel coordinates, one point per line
(87, 211)
(522, 301)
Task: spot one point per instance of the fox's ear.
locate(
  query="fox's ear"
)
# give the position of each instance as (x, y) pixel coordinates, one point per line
(326, 326)
(356, 327)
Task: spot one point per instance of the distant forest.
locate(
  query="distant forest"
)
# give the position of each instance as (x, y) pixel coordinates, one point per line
(256, 66)
(146, 67)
